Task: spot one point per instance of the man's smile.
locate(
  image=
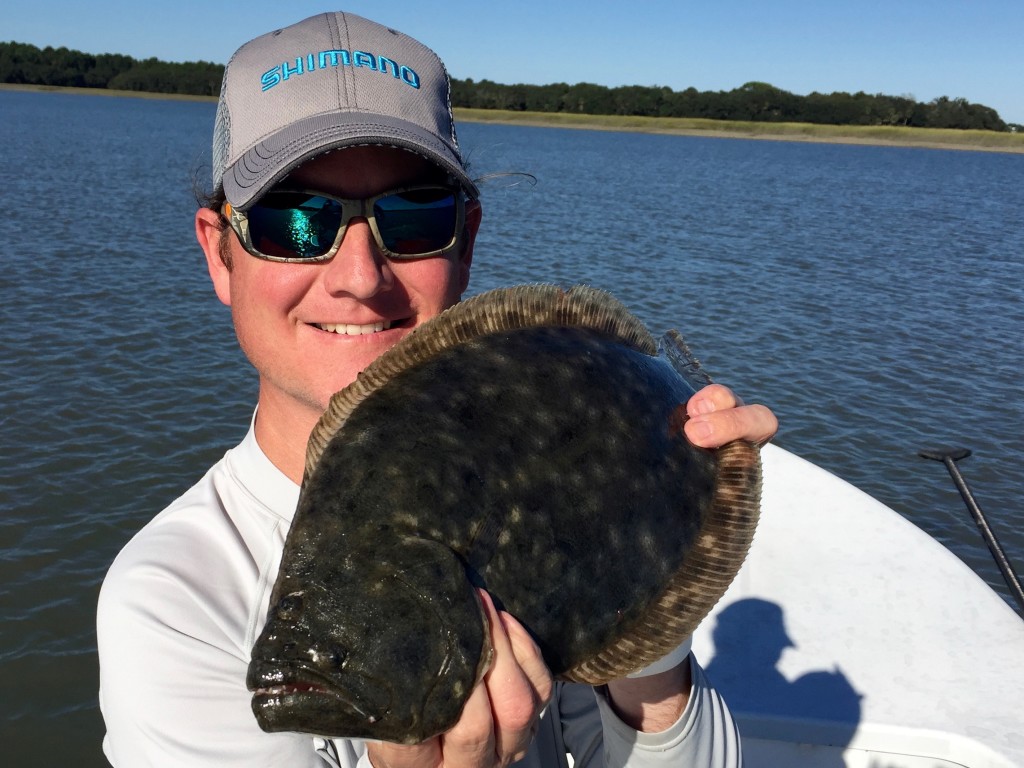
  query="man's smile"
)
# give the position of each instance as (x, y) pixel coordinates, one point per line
(350, 329)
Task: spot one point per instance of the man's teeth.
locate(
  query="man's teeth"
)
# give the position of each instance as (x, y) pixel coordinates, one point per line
(348, 329)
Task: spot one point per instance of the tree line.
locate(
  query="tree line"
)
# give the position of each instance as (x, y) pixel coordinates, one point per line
(26, 64)
(755, 101)
(752, 102)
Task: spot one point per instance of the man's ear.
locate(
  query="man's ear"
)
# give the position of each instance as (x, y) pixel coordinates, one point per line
(474, 214)
(210, 230)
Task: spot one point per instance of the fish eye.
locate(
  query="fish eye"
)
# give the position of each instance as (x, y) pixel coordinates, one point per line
(338, 656)
(289, 608)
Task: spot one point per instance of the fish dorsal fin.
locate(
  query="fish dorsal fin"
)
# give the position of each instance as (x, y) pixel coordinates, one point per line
(497, 311)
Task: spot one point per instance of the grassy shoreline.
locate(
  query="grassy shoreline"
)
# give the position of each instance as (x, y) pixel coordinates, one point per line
(933, 138)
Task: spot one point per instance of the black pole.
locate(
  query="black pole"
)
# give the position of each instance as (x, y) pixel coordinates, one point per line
(949, 457)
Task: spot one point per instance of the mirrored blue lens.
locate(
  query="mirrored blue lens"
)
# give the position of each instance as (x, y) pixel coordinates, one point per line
(294, 224)
(418, 221)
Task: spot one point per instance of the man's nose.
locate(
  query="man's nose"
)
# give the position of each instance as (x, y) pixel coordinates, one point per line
(359, 268)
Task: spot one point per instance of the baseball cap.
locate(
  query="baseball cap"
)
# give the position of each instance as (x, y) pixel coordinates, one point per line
(333, 80)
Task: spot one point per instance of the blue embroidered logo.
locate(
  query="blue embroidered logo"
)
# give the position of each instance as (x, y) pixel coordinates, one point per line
(338, 58)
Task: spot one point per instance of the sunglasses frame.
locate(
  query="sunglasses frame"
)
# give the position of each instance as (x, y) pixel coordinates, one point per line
(358, 208)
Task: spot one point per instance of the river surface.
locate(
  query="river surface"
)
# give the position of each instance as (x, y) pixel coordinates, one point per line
(872, 296)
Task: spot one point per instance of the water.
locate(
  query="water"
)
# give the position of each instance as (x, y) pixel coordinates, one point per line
(871, 296)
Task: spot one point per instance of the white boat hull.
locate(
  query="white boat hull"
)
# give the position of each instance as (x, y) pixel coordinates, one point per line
(852, 638)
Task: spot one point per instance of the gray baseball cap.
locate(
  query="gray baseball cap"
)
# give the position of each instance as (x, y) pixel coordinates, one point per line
(334, 80)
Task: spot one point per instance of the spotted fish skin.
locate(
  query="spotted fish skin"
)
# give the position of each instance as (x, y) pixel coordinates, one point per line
(535, 450)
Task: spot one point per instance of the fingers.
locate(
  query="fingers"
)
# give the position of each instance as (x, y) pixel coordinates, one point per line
(518, 685)
(530, 659)
(717, 417)
(469, 744)
(472, 742)
(383, 754)
(500, 717)
(713, 397)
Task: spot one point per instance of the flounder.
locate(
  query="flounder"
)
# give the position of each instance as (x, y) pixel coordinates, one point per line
(528, 441)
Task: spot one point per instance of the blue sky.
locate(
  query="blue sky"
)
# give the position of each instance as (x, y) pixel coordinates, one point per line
(923, 48)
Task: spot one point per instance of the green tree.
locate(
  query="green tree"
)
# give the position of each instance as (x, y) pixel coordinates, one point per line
(588, 99)
(763, 102)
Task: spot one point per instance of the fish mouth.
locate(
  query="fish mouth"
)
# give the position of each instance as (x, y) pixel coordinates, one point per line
(284, 697)
(272, 679)
(279, 691)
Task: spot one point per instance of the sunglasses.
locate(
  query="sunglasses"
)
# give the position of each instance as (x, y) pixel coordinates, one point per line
(302, 226)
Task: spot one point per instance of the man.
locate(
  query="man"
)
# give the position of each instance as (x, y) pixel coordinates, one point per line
(327, 259)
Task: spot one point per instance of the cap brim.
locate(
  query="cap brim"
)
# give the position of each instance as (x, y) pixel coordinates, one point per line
(274, 157)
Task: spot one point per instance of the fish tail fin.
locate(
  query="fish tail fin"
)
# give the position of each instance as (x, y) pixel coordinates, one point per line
(672, 347)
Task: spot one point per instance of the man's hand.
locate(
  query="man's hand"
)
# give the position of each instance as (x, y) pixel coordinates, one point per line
(501, 715)
(718, 417)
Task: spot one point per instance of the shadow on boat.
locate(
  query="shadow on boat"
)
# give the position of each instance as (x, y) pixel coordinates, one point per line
(750, 637)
